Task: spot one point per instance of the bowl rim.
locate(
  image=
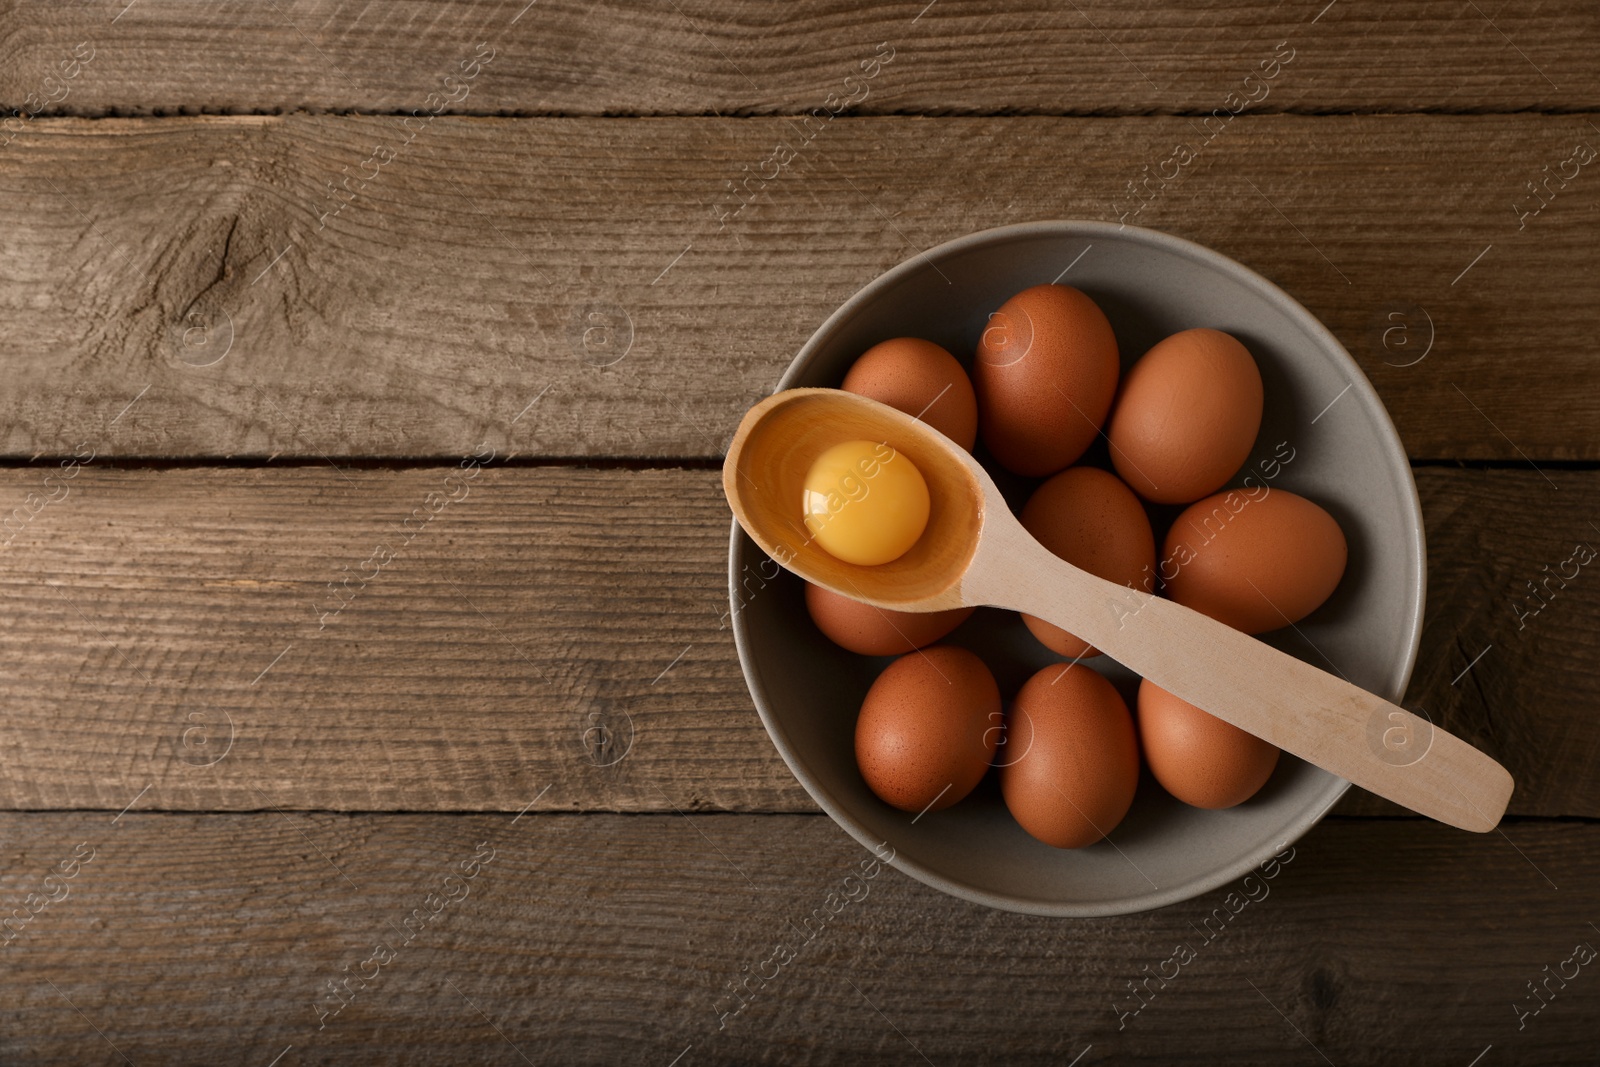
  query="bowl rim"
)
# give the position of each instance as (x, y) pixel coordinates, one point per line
(1360, 385)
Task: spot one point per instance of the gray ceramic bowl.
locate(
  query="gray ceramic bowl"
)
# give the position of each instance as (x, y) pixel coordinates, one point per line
(1346, 456)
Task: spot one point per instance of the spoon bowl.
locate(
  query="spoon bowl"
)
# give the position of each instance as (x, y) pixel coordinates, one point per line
(766, 468)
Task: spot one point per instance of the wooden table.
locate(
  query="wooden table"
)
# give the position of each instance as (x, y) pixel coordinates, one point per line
(368, 690)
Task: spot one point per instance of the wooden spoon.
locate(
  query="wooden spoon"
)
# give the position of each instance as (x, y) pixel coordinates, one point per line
(975, 552)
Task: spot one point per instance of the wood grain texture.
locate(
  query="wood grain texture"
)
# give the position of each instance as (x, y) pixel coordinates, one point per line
(564, 629)
(604, 939)
(741, 56)
(491, 260)
(370, 657)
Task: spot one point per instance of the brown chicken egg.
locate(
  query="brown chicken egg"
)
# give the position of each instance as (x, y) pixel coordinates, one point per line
(1073, 760)
(1256, 559)
(1045, 373)
(927, 729)
(873, 631)
(922, 379)
(1186, 417)
(1091, 520)
(1196, 756)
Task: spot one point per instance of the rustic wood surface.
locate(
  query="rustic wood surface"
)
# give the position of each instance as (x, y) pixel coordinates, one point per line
(258, 765)
(175, 629)
(188, 255)
(744, 57)
(602, 939)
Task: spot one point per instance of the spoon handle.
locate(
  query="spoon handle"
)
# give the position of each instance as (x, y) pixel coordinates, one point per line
(1321, 718)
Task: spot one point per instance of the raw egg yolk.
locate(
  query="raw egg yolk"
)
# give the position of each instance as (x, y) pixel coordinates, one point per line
(865, 503)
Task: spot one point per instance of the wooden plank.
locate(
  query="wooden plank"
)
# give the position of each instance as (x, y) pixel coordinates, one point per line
(605, 939)
(369, 656)
(548, 611)
(739, 56)
(497, 259)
